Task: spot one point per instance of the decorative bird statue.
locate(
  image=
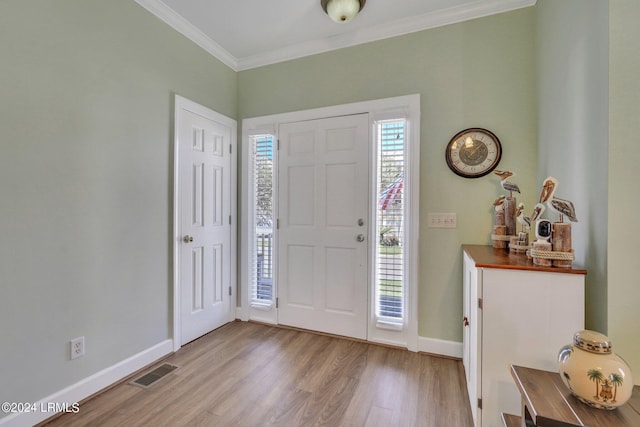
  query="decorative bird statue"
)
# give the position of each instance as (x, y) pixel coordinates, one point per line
(506, 185)
(561, 206)
(538, 210)
(499, 202)
(525, 221)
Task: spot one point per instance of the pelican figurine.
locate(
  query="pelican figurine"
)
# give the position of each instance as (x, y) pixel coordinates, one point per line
(506, 185)
(561, 206)
(522, 218)
(499, 203)
(538, 210)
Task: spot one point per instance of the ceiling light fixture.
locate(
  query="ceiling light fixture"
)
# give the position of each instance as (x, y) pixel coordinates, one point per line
(342, 11)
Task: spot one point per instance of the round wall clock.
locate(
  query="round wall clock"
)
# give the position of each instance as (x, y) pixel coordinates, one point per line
(473, 152)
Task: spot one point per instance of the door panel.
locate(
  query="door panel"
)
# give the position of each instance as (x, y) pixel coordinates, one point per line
(300, 268)
(323, 187)
(340, 279)
(205, 208)
(341, 198)
(301, 186)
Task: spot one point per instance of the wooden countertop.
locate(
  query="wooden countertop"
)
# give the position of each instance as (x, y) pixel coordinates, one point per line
(550, 403)
(490, 257)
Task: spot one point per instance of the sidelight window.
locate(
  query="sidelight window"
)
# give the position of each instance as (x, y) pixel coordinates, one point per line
(389, 287)
(262, 220)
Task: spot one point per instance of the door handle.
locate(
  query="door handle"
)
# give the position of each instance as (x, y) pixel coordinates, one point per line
(360, 222)
(187, 239)
(360, 237)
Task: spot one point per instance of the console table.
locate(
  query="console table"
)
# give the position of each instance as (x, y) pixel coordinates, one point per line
(547, 402)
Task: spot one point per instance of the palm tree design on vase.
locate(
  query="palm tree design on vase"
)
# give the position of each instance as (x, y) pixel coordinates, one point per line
(616, 380)
(605, 384)
(596, 376)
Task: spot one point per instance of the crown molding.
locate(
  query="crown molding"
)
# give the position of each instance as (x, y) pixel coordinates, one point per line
(393, 29)
(184, 27)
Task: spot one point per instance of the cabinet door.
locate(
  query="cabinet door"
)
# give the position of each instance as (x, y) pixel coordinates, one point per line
(466, 314)
(472, 324)
(527, 317)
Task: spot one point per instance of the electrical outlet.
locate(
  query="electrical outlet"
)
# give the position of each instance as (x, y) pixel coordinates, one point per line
(77, 347)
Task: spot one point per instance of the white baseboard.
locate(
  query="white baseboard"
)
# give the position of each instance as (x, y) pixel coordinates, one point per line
(425, 345)
(440, 347)
(242, 314)
(69, 396)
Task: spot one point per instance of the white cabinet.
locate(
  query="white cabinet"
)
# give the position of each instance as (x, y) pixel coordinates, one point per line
(513, 313)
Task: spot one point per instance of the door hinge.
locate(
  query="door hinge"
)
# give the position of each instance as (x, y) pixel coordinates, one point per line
(277, 301)
(229, 219)
(229, 290)
(278, 224)
(480, 303)
(230, 148)
(479, 403)
(278, 146)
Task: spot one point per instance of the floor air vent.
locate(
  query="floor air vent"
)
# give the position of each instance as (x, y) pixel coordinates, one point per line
(150, 378)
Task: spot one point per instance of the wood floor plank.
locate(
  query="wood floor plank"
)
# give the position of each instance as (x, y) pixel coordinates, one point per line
(363, 402)
(248, 374)
(379, 417)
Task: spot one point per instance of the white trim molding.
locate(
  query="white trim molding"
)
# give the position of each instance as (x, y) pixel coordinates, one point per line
(70, 396)
(372, 33)
(190, 31)
(407, 106)
(440, 347)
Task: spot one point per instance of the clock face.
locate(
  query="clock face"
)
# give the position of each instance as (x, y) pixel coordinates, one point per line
(473, 152)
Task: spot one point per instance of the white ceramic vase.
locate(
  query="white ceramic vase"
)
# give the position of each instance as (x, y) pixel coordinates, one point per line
(593, 372)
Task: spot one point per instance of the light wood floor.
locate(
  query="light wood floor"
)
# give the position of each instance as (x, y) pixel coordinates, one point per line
(247, 374)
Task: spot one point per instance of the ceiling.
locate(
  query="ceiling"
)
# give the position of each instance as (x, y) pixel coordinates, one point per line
(246, 34)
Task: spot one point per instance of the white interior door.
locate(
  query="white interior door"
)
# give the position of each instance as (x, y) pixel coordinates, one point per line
(323, 217)
(204, 236)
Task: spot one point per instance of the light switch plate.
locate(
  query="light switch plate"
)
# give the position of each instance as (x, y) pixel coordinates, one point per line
(441, 220)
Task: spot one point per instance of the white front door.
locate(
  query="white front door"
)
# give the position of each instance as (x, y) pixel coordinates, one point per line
(204, 216)
(323, 217)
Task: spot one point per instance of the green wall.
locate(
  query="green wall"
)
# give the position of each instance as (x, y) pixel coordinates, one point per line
(479, 73)
(86, 184)
(573, 105)
(624, 175)
(86, 160)
(588, 56)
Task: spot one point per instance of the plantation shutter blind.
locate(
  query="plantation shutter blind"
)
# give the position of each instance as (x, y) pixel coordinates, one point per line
(262, 254)
(390, 218)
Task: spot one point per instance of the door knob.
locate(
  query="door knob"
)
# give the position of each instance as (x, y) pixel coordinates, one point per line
(187, 239)
(360, 237)
(360, 222)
